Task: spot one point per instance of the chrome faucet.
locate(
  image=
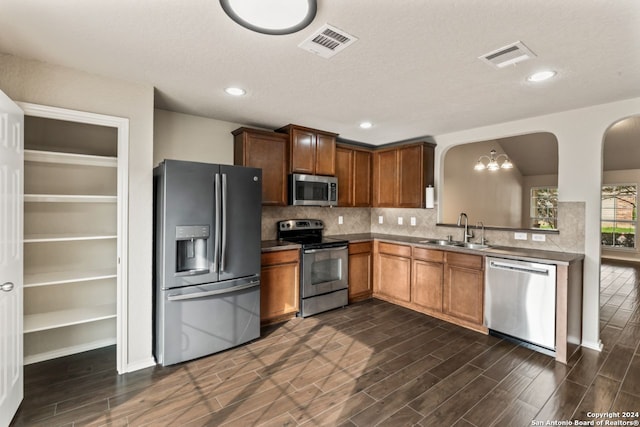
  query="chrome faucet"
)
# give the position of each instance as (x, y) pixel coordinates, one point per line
(467, 233)
(482, 239)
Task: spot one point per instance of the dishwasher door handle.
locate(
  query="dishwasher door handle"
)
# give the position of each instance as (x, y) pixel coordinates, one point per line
(518, 268)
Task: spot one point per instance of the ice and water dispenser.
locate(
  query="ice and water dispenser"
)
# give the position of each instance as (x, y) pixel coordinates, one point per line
(191, 249)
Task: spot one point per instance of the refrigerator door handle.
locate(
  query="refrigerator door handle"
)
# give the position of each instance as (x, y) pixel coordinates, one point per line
(224, 222)
(216, 248)
(179, 297)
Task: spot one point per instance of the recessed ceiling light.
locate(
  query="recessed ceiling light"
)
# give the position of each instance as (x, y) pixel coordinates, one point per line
(541, 76)
(235, 91)
(271, 16)
(366, 125)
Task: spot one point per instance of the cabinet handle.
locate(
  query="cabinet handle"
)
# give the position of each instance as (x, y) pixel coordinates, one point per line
(7, 286)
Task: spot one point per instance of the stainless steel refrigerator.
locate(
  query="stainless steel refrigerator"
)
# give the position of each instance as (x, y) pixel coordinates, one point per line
(207, 258)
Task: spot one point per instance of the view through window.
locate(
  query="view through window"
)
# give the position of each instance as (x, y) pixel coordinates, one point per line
(619, 216)
(544, 207)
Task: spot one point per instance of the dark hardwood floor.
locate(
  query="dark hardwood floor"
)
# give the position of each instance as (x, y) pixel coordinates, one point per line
(371, 363)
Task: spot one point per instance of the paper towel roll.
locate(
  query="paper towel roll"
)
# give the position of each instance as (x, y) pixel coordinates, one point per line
(429, 197)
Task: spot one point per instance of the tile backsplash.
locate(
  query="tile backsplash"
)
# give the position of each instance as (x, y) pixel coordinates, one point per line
(571, 222)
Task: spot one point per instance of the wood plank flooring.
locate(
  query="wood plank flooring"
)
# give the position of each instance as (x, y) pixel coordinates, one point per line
(371, 363)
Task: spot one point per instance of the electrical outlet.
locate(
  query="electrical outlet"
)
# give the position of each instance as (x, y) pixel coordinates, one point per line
(538, 237)
(520, 236)
(399, 220)
(340, 219)
(413, 221)
(380, 219)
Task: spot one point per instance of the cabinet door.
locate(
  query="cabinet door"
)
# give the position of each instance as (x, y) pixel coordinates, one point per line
(393, 276)
(463, 293)
(426, 284)
(325, 155)
(385, 178)
(360, 265)
(361, 178)
(268, 152)
(303, 151)
(344, 173)
(410, 181)
(279, 285)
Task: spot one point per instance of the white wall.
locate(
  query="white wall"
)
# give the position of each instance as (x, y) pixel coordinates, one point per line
(46, 84)
(184, 137)
(580, 136)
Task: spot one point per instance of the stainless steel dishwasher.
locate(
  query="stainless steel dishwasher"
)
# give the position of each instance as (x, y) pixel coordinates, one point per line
(520, 302)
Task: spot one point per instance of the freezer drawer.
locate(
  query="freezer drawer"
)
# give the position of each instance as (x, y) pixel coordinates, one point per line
(520, 300)
(200, 320)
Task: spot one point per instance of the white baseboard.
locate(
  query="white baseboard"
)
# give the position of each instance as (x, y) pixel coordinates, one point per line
(597, 346)
(66, 351)
(140, 364)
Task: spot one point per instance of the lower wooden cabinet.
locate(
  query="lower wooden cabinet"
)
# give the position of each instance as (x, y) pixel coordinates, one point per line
(360, 271)
(279, 285)
(464, 287)
(427, 273)
(393, 271)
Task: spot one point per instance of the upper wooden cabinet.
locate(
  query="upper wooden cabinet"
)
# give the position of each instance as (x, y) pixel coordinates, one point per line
(268, 151)
(353, 170)
(311, 151)
(401, 173)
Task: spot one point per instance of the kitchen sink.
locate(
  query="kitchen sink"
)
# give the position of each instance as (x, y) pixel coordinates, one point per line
(442, 242)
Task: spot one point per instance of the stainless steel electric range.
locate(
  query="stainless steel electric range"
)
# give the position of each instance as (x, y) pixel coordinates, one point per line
(325, 265)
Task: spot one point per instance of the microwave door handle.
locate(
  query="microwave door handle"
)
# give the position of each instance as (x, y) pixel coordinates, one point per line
(224, 222)
(217, 225)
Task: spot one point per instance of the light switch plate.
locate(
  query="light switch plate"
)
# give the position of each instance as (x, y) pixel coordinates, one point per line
(380, 219)
(538, 237)
(520, 236)
(399, 220)
(340, 219)
(413, 221)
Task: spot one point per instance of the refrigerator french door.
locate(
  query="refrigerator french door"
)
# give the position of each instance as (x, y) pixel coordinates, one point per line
(207, 258)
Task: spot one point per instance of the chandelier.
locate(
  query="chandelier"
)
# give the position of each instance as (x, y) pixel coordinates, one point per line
(493, 162)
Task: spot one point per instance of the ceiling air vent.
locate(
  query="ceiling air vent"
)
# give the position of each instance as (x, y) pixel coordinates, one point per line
(507, 55)
(327, 41)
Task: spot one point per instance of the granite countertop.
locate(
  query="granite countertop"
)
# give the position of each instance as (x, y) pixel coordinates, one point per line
(278, 245)
(536, 255)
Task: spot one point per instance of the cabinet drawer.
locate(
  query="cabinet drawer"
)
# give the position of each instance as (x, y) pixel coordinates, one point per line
(358, 248)
(475, 262)
(279, 257)
(428, 254)
(391, 249)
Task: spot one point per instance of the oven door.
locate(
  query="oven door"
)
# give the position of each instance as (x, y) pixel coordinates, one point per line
(324, 270)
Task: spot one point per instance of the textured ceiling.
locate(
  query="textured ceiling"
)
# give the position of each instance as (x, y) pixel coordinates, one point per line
(413, 72)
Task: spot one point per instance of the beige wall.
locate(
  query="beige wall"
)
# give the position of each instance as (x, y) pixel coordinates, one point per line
(46, 84)
(495, 198)
(184, 137)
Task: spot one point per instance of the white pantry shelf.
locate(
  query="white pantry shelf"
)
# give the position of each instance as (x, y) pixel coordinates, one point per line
(60, 319)
(69, 198)
(66, 237)
(61, 277)
(69, 158)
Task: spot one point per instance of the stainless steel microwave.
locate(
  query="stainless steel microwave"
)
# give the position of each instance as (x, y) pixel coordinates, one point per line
(313, 190)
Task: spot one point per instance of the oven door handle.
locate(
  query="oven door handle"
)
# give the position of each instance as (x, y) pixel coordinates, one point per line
(313, 251)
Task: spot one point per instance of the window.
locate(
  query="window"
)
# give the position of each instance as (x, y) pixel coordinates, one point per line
(619, 216)
(544, 207)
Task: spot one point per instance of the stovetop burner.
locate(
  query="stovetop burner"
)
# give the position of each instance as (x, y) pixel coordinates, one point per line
(306, 232)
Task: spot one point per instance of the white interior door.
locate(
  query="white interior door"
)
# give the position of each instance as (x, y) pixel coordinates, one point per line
(11, 236)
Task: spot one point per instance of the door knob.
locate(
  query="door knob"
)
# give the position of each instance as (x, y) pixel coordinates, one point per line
(7, 286)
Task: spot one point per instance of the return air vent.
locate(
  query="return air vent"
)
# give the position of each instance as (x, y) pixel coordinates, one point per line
(327, 41)
(508, 55)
